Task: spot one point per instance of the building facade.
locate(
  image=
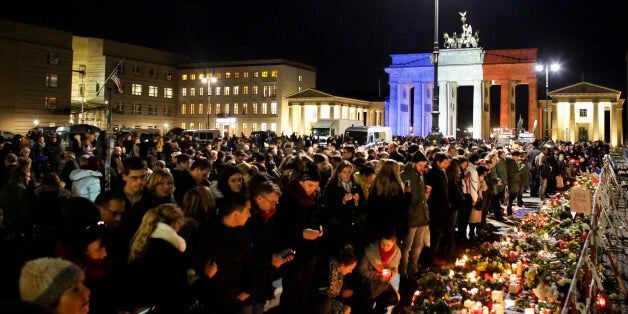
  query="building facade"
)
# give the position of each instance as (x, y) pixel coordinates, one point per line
(586, 111)
(307, 106)
(240, 97)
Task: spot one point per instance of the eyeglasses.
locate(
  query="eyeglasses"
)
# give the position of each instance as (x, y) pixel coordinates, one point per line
(270, 201)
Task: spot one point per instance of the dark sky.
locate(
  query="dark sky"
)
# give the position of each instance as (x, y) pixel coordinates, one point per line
(350, 41)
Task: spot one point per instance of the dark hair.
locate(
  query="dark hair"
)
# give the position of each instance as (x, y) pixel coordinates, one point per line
(263, 187)
(440, 157)
(481, 169)
(223, 178)
(418, 157)
(105, 197)
(367, 169)
(346, 256)
(133, 163)
(200, 163)
(183, 158)
(231, 203)
(474, 157)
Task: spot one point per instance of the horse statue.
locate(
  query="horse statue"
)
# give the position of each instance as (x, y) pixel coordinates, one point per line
(449, 42)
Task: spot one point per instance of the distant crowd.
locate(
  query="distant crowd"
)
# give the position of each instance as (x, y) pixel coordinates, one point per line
(171, 225)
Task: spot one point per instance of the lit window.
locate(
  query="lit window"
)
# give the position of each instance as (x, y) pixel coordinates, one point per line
(300, 78)
(274, 73)
(52, 80)
(255, 74)
(183, 125)
(201, 91)
(273, 127)
(183, 107)
(227, 108)
(51, 103)
(264, 73)
(235, 108)
(236, 75)
(191, 124)
(245, 90)
(245, 74)
(192, 91)
(192, 76)
(136, 89)
(245, 108)
(273, 107)
(153, 91)
(227, 90)
(273, 91)
(254, 127)
(264, 109)
(184, 77)
(227, 75)
(236, 90)
(263, 128)
(254, 108)
(217, 90)
(266, 93)
(217, 108)
(169, 76)
(245, 127)
(191, 108)
(255, 89)
(168, 93)
(200, 108)
(218, 75)
(209, 109)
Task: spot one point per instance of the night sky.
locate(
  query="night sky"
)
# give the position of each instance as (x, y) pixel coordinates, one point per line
(350, 41)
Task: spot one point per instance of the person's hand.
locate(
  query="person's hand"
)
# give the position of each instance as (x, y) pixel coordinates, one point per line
(347, 197)
(210, 269)
(311, 234)
(243, 296)
(346, 293)
(356, 198)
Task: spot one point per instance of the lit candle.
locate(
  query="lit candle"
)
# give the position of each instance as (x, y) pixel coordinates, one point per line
(497, 296)
(529, 310)
(498, 308)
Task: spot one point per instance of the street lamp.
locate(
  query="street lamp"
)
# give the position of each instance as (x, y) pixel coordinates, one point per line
(36, 122)
(540, 68)
(209, 82)
(166, 127)
(435, 135)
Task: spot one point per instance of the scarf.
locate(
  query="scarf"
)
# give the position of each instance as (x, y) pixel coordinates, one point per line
(165, 232)
(265, 215)
(296, 191)
(385, 255)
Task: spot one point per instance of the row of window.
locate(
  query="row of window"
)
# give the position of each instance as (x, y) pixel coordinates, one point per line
(152, 110)
(267, 90)
(227, 109)
(229, 75)
(235, 128)
(152, 72)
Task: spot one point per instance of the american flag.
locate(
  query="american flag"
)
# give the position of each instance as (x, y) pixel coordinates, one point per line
(116, 80)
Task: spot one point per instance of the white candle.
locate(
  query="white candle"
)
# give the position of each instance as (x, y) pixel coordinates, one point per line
(529, 311)
(498, 308)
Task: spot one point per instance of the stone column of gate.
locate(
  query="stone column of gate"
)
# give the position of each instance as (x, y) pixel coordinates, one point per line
(393, 107)
(615, 121)
(318, 110)
(477, 109)
(418, 113)
(291, 119)
(533, 108)
(302, 120)
(572, 122)
(504, 102)
(596, 123)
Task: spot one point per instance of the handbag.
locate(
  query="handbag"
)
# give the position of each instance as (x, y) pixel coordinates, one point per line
(476, 216)
(560, 183)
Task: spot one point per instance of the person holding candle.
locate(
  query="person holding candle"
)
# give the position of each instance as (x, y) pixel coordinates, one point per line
(378, 267)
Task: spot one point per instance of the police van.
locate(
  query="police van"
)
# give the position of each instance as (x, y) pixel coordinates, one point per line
(203, 136)
(368, 136)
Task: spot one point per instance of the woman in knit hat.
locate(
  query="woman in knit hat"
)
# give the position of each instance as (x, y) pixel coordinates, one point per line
(56, 284)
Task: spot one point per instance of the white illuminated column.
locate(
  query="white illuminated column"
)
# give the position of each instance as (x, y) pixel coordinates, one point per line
(209, 82)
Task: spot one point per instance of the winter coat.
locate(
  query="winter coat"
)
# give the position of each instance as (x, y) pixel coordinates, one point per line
(371, 268)
(438, 202)
(514, 175)
(418, 213)
(85, 183)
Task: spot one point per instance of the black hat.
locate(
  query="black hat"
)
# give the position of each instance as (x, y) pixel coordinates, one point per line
(310, 173)
(413, 148)
(418, 157)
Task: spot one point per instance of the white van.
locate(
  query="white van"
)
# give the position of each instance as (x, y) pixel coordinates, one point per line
(203, 136)
(368, 136)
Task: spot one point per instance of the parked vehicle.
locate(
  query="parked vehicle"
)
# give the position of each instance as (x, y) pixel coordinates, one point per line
(368, 136)
(326, 128)
(203, 136)
(72, 138)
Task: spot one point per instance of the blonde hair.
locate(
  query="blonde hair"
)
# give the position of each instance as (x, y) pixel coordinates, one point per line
(199, 203)
(158, 177)
(166, 213)
(387, 181)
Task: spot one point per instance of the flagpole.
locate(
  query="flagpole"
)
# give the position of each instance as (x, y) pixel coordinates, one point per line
(109, 141)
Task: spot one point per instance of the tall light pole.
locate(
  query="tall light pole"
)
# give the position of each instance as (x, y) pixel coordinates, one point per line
(435, 135)
(209, 82)
(540, 68)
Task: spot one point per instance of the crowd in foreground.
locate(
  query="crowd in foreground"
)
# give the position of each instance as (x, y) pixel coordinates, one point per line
(172, 227)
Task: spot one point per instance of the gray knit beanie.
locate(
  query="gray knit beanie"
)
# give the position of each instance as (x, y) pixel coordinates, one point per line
(44, 280)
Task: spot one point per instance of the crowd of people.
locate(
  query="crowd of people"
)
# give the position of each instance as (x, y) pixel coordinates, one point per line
(173, 226)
